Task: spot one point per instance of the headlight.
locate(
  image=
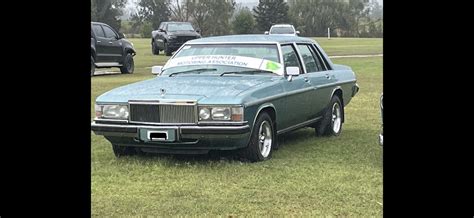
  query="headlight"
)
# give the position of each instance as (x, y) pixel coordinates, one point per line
(112, 111)
(209, 113)
(220, 113)
(204, 114)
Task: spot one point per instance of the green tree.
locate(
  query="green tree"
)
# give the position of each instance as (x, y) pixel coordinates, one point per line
(315, 16)
(211, 16)
(146, 30)
(269, 12)
(107, 11)
(153, 11)
(244, 22)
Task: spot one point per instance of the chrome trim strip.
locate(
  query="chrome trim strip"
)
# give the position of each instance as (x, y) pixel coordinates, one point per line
(297, 126)
(301, 58)
(235, 123)
(94, 124)
(111, 120)
(266, 105)
(159, 102)
(162, 124)
(213, 43)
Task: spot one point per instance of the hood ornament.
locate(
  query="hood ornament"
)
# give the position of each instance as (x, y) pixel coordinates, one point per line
(163, 92)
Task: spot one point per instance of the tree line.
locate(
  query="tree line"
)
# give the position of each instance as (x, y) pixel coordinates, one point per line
(345, 18)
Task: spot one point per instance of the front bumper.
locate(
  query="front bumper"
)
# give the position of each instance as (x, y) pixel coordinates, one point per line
(184, 137)
(355, 89)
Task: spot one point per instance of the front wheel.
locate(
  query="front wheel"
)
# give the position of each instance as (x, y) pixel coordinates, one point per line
(120, 151)
(154, 49)
(92, 66)
(167, 50)
(262, 140)
(128, 64)
(331, 124)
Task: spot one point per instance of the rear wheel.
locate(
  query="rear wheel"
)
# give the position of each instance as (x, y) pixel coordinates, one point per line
(167, 49)
(262, 140)
(331, 124)
(128, 64)
(120, 151)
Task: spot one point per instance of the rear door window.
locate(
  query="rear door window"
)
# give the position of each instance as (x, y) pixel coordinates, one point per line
(98, 31)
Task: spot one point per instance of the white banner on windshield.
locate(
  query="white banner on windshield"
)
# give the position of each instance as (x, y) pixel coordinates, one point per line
(228, 60)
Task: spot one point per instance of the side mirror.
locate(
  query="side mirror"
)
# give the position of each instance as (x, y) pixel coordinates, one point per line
(162, 30)
(266, 33)
(198, 31)
(292, 71)
(156, 70)
(121, 36)
(297, 32)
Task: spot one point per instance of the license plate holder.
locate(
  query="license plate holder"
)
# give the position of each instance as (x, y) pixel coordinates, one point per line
(158, 135)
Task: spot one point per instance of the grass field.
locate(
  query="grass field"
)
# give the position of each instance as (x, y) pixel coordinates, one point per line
(308, 176)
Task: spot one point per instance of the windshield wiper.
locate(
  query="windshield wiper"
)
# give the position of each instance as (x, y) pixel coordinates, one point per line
(198, 71)
(246, 72)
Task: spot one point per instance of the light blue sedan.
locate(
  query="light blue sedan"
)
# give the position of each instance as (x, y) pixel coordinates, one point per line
(228, 93)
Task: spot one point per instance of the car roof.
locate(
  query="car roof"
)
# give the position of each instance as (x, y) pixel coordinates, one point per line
(282, 25)
(251, 38)
(168, 22)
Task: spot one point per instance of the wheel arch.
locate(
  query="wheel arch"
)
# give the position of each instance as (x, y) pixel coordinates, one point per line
(269, 108)
(339, 93)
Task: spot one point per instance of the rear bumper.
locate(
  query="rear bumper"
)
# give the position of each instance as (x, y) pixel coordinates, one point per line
(187, 137)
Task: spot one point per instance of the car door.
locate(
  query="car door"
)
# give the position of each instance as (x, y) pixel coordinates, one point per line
(318, 77)
(101, 43)
(161, 36)
(298, 90)
(114, 45)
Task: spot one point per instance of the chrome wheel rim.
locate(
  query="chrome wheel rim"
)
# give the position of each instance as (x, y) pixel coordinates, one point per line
(265, 138)
(336, 118)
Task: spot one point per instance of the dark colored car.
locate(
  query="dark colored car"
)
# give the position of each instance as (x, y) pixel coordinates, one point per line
(109, 48)
(381, 112)
(171, 35)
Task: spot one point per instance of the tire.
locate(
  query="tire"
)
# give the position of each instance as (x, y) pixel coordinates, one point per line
(262, 140)
(331, 124)
(120, 151)
(155, 50)
(92, 66)
(128, 64)
(167, 50)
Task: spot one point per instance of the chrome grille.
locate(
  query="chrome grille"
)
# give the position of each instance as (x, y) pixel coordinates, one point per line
(162, 113)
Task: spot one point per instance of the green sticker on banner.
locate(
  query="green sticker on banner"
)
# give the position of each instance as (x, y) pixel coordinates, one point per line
(272, 66)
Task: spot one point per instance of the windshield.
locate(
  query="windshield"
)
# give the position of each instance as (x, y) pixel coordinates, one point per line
(263, 51)
(180, 27)
(225, 58)
(282, 30)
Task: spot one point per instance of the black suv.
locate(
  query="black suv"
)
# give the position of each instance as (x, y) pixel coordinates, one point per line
(110, 49)
(171, 35)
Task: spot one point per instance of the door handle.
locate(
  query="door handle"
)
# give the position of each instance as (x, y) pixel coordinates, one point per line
(110, 42)
(327, 76)
(307, 80)
(99, 41)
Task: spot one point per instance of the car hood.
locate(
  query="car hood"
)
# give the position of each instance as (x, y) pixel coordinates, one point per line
(200, 88)
(183, 33)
